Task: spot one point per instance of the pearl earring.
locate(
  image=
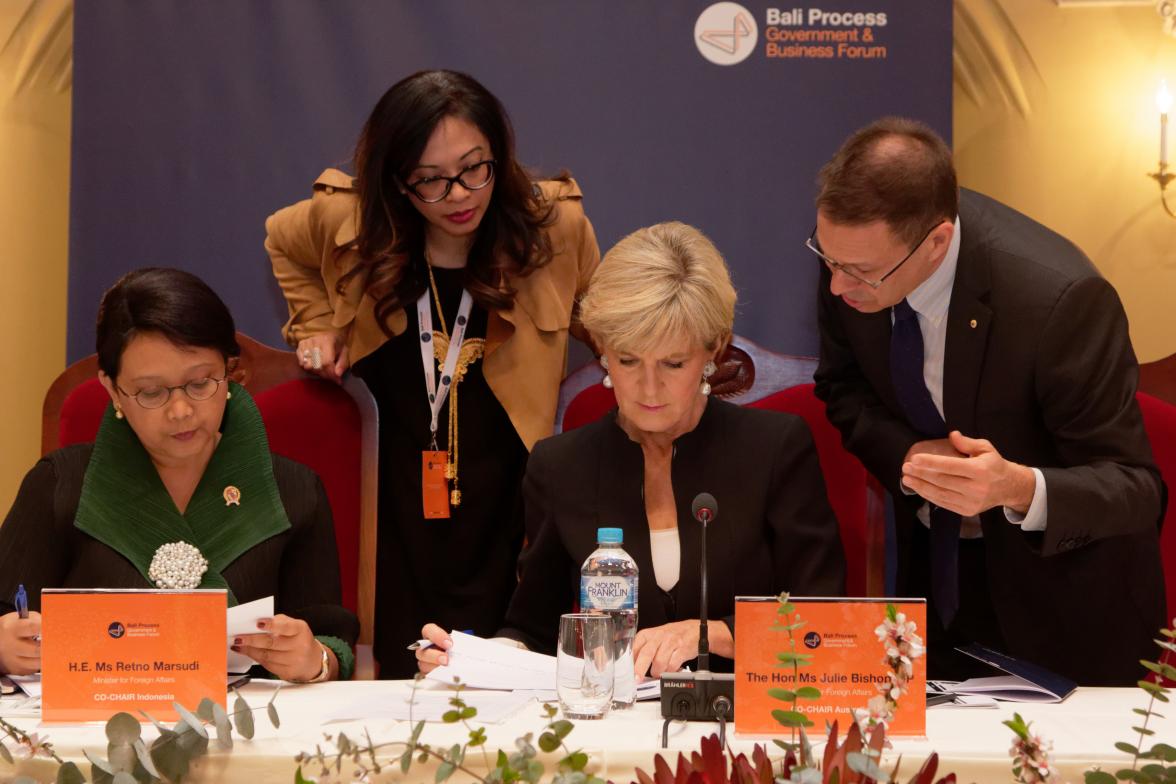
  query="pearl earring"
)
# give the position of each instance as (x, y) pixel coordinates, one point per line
(229, 395)
(606, 382)
(118, 414)
(708, 370)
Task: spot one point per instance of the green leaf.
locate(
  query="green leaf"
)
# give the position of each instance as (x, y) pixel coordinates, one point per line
(576, 761)
(561, 728)
(416, 733)
(98, 762)
(69, 773)
(792, 657)
(786, 608)
(808, 693)
(791, 718)
(122, 727)
(468, 712)
(782, 694)
(1144, 731)
(188, 718)
(502, 761)
(406, 760)
(145, 758)
(891, 615)
(243, 717)
(6, 755)
(534, 771)
(451, 716)
(444, 771)
(1098, 777)
(299, 779)
(1127, 748)
(272, 711)
(204, 709)
(784, 745)
(477, 737)
(224, 729)
(158, 724)
(548, 742)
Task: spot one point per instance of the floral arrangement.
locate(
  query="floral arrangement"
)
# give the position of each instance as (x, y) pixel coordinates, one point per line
(902, 646)
(789, 620)
(369, 759)
(1030, 753)
(129, 759)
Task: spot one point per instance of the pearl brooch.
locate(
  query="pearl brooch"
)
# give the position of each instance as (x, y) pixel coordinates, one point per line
(177, 565)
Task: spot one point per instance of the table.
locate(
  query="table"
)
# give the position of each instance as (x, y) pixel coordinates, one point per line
(970, 741)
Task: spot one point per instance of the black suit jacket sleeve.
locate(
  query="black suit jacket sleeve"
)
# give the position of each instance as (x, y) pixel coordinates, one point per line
(1086, 380)
(869, 430)
(548, 575)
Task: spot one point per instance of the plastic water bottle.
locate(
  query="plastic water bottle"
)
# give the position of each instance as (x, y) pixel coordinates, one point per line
(608, 584)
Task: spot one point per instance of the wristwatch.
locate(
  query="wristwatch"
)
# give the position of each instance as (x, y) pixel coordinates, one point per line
(325, 672)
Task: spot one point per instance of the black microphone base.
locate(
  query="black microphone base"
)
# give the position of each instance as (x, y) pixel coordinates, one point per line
(698, 696)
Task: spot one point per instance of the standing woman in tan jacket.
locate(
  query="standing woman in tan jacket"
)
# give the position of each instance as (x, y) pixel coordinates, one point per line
(443, 228)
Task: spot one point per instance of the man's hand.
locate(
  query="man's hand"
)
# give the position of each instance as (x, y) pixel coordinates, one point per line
(972, 481)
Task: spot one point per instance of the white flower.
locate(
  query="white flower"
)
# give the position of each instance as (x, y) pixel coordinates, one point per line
(177, 565)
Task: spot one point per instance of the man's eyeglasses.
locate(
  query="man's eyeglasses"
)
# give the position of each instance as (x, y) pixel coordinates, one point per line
(433, 189)
(157, 397)
(837, 266)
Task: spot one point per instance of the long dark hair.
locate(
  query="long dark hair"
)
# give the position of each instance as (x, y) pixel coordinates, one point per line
(510, 239)
(170, 302)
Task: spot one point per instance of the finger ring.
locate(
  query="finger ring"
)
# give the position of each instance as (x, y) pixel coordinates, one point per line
(316, 360)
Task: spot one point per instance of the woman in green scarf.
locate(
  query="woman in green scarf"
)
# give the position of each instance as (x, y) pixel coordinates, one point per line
(181, 456)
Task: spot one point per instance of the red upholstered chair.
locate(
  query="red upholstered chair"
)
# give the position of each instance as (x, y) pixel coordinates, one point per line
(331, 429)
(752, 375)
(1159, 418)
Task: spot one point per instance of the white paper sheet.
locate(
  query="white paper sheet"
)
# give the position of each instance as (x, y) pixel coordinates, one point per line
(243, 619)
(494, 707)
(483, 664)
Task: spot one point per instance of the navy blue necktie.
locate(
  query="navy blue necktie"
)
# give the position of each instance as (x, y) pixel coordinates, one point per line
(906, 374)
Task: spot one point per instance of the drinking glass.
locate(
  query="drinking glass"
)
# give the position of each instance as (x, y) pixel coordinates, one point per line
(584, 665)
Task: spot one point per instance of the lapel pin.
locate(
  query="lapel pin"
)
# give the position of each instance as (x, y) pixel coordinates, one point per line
(232, 496)
(972, 323)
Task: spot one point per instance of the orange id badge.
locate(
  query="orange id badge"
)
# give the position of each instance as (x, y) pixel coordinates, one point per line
(434, 486)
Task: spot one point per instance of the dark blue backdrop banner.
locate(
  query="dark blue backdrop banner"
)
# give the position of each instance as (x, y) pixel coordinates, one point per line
(194, 121)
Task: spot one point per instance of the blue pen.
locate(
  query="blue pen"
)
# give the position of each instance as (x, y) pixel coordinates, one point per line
(21, 600)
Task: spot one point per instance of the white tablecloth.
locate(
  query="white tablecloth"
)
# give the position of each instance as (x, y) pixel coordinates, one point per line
(970, 741)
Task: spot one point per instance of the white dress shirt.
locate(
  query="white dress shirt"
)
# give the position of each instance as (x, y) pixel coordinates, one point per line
(930, 301)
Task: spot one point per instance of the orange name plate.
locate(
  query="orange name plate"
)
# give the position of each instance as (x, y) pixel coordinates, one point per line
(108, 651)
(828, 665)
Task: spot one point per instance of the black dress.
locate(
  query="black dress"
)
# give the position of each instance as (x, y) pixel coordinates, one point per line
(457, 572)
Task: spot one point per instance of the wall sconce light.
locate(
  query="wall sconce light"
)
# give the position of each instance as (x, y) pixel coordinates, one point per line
(1163, 176)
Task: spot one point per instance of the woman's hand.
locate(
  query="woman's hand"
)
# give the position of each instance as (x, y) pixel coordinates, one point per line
(288, 649)
(431, 658)
(20, 644)
(324, 355)
(666, 648)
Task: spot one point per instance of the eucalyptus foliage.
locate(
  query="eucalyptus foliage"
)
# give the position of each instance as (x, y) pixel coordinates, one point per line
(130, 759)
(366, 759)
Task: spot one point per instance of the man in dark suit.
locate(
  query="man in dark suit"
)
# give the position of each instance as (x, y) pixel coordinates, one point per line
(981, 368)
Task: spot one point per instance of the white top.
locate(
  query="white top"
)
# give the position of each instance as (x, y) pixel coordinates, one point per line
(666, 549)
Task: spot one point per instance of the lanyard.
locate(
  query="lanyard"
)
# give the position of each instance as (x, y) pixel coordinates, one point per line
(425, 320)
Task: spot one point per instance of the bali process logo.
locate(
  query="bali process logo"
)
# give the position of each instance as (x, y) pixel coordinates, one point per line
(725, 33)
(116, 630)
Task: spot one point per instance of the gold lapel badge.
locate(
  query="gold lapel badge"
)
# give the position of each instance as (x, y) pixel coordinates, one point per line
(232, 496)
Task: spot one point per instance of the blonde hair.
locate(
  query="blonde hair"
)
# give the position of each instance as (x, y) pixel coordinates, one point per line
(660, 282)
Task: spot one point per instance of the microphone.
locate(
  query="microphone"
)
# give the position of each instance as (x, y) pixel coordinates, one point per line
(705, 509)
(700, 695)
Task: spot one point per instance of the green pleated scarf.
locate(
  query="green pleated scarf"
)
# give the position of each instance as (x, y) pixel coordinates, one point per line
(125, 505)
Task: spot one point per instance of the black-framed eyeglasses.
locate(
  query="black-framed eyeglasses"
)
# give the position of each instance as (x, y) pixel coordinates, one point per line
(156, 397)
(433, 189)
(837, 266)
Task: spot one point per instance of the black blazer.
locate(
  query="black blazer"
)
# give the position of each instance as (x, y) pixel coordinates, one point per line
(774, 531)
(1039, 362)
(40, 547)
